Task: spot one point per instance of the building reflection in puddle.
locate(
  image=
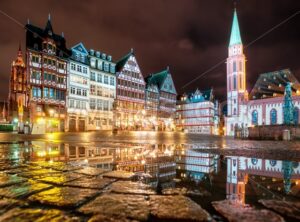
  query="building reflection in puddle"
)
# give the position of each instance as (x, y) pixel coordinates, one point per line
(266, 178)
(247, 178)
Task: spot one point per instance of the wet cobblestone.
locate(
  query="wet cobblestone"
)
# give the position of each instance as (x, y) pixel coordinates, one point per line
(7, 179)
(64, 196)
(23, 189)
(128, 187)
(37, 215)
(235, 212)
(290, 209)
(119, 206)
(90, 182)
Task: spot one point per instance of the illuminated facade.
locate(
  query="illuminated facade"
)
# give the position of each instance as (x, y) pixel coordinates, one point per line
(46, 61)
(78, 89)
(166, 98)
(265, 105)
(151, 104)
(18, 91)
(237, 95)
(130, 101)
(197, 112)
(102, 91)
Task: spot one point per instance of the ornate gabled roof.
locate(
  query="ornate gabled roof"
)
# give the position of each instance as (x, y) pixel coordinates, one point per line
(121, 63)
(196, 96)
(157, 78)
(235, 36)
(35, 37)
(80, 48)
(272, 84)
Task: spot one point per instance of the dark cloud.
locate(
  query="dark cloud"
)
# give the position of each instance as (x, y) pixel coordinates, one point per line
(190, 36)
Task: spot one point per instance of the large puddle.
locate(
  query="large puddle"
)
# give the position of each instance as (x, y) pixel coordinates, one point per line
(172, 168)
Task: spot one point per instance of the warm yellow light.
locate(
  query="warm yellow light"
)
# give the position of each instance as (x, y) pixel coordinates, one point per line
(41, 121)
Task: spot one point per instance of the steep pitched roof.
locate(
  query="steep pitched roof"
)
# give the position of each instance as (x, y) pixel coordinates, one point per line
(123, 60)
(235, 37)
(157, 78)
(35, 35)
(272, 84)
(196, 96)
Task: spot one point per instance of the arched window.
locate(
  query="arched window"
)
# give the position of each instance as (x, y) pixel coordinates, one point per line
(234, 82)
(234, 111)
(234, 66)
(255, 117)
(273, 116)
(273, 162)
(254, 161)
(296, 115)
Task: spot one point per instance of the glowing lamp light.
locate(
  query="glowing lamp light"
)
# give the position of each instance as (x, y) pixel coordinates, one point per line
(51, 112)
(143, 162)
(16, 120)
(41, 121)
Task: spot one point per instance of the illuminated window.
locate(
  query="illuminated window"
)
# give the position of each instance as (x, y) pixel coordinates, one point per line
(255, 117)
(93, 76)
(112, 81)
(234, 82)
(296, 115)
(273, 116)
(273, 162)
(106, 79)
(254, 161)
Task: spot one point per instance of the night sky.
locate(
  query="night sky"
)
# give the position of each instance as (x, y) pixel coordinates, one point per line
(189, 36)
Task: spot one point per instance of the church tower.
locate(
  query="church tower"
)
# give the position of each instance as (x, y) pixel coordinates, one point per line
(18, 91)
(236, 77)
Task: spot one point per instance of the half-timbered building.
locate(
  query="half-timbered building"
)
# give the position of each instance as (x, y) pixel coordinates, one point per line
(130, 101)
(46, 60)
(167, 98)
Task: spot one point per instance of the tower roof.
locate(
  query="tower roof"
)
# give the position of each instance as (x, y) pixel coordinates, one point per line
(235, 37)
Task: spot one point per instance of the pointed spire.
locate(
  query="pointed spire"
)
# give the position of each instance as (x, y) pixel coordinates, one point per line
(62, 34)
(48, 28)
(28, 21)
(235, 37)
(131, 50)
(20, 50)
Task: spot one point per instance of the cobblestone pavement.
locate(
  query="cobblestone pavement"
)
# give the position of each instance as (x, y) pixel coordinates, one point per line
(53, 192)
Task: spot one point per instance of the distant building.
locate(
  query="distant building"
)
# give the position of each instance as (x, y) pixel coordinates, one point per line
(197, 112)
(166, 100)
(78, 89)
(102, 90)
(265, 103)
(46, 61)
(130, 101)
(151, 104)
(18, 97)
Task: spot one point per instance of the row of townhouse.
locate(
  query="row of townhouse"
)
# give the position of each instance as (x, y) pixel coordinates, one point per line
(61, 89)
